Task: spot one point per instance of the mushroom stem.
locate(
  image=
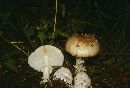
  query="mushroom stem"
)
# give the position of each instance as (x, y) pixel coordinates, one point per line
(79, 60)
(79, 65)
(47, 70)
(46, 74)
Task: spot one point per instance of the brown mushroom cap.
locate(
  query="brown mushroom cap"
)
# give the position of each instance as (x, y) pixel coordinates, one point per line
(82, 46)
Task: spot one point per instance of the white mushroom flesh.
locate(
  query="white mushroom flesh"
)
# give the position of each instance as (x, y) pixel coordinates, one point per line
(79, 61)
(63, 74)
(43, 58)
(82, 80)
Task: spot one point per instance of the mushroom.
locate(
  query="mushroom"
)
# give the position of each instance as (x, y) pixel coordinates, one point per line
(82, 80)
(43, 58)
(82, 46)
(63, 74)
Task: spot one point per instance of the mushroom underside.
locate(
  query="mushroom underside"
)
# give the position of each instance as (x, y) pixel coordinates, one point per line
(43, 58)
(63, 74)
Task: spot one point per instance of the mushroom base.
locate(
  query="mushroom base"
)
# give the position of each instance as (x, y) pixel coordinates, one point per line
(46, 74)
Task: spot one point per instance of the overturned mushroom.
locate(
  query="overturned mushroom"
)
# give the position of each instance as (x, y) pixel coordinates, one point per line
(63, 74)
(82, 80)
(43, 58)
(82, 47)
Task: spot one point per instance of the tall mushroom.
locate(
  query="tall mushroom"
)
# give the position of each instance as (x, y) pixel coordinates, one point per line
(82, 47)
(43, 58)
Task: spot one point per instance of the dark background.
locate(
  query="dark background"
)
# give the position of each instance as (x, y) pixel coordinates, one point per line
(33, 20)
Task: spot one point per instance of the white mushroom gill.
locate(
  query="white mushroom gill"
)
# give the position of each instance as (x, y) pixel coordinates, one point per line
(82, 80)
(64, 74)
(43, 58)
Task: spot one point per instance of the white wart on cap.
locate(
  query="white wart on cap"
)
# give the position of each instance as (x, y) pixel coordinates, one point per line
(43, 58)
(82, 80)
(82, 45)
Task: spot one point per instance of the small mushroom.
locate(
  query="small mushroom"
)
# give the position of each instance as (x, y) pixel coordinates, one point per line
(82, 47)
(43, 58)
(82, 80)
(63, 74)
